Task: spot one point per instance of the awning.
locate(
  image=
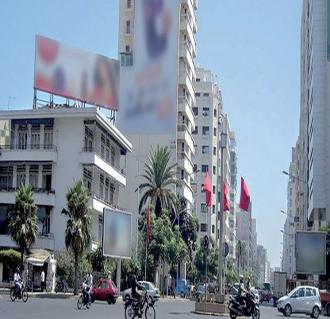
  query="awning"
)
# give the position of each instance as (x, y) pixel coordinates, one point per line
(38, 257)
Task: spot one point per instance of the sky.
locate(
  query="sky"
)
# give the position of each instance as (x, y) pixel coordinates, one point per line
(252, 46)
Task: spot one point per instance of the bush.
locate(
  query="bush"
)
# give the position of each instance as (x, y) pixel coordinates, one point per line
(65, 266)
(11, 259)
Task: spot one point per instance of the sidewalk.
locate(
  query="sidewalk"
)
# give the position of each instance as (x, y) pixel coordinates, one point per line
(50, 295)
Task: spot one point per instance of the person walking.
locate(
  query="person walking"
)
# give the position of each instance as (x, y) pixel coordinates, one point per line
(43, 280)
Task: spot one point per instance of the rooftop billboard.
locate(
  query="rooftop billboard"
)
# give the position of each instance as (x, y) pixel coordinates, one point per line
(75, 74)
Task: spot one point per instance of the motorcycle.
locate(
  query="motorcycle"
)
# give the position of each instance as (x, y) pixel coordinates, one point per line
(85, 298)
(20, 293)
(135, 308)
(249, 309)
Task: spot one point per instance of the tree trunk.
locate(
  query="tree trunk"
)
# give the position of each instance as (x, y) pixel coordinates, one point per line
(75, 274)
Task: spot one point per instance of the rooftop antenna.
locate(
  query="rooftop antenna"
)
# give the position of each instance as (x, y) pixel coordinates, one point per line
(9, 99)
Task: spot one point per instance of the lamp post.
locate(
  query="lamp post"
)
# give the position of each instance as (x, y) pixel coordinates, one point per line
(223, 145)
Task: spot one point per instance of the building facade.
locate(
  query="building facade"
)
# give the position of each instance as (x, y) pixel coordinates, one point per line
(182, 145)
(51, 148)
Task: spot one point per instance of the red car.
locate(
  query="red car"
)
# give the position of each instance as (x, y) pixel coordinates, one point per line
(105, 290)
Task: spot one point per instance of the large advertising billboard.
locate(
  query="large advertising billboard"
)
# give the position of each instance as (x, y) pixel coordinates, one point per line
(75, 74)
(148, 90)
(310, 253)
(117, 233)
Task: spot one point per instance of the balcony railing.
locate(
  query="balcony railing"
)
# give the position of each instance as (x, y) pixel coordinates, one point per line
(105, 201)
(87, 149)
(35, 190)
(29, 147)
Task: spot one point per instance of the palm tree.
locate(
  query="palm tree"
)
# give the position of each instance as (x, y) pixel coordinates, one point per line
(78, 226)
(23, 220)
(160, 181)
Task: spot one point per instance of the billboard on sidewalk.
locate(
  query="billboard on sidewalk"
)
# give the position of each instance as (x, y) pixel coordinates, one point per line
(310, 253)
(75, 74)
(117, 233)
(148, 90)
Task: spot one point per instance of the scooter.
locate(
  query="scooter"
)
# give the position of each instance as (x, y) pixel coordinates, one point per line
(249, 309)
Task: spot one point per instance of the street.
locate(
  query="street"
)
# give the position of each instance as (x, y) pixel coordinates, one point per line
(55, 308)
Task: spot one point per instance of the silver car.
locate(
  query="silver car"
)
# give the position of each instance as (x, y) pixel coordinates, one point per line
(153, 292)
(303, 299)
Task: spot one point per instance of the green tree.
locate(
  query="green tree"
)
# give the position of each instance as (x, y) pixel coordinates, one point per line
(160, 179)
(78, 227)
(23, 220)
(230, 272)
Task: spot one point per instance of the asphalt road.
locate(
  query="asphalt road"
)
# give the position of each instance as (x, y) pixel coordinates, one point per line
(61, 309)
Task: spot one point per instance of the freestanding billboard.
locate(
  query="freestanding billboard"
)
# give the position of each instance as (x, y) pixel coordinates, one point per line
(148, 90)
(75, 74)
(117, 233)
(310, 253)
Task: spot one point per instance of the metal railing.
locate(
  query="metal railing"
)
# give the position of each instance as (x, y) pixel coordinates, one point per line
(92, 149)
(105, 201)
(35, 190)
(29, 147)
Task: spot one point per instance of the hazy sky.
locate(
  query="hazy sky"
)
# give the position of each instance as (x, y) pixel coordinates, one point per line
(251, 45)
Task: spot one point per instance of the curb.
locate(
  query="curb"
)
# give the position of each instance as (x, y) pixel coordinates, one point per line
(210, 314)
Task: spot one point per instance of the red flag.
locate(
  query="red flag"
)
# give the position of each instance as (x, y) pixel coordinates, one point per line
(148, 226)
(226, 203)
(207, 189)
(245, 196)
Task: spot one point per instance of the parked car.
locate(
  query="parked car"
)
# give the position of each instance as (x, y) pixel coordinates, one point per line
(303, 299)
(153, 292)
(105, 290)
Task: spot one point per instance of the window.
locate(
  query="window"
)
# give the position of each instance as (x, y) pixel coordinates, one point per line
(195, 131)
(205, 168)
(206, 111)
(198, 79)
(214, 170)
(47, 177)
(6, 177)
(35, 139)
(20, 175)
(33, 176)
(206, 130)
(195, 168)
(309, 292)
(214, 131)
(127, 48)
(301, 293)
(182, 147)
(113, 156)
(205, 149)
(206, 94)
(101, 185)
(106, 189)
(203, 227)
(215, 112)
(22, 139)
(214, 151)
(195, 110)
(203, 208)
(48, 139)
(129, 4)
(182, 174)
(213, 209)
(112, 192)
(213, 189)
(128, 27)
(197, 94)
(213, 229)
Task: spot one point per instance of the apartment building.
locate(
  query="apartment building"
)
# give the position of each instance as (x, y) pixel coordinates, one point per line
(314, 150)
(262, 265)
(291, 222)
(51, 148)
(182, 142)
(206, 137)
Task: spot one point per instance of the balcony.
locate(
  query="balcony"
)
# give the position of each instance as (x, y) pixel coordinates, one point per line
(186, 78)
(186, 191)
(43, 242)
(185, 106)
(186, 24)
(89, 156)
(184, 134)
(186, 53)
(185, 162)
(40, 196)
(34, 152)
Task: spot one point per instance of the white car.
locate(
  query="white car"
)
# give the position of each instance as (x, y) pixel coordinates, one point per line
(303, 299)
(153, 292)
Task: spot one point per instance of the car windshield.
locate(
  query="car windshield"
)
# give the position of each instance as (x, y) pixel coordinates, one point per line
(151, 285)
(292, 291)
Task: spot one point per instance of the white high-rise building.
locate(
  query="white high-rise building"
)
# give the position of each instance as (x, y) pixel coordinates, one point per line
(313, 142)
(51, 148)
(182, 144)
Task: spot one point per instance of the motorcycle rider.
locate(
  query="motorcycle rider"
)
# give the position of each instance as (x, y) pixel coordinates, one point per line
(241, 292)
(135, 293)
(17, 282)
(87, 287)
